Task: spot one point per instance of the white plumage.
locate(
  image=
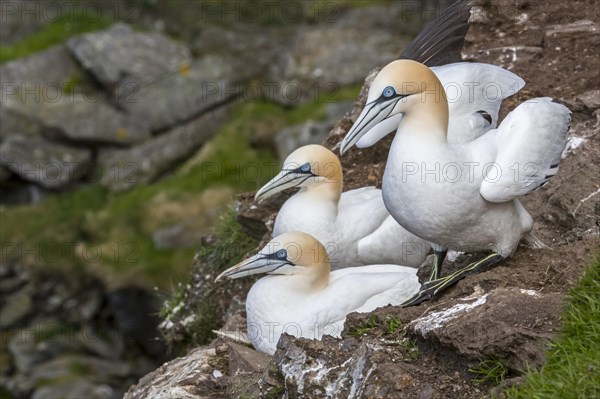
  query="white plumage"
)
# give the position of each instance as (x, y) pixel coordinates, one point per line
(302, 298)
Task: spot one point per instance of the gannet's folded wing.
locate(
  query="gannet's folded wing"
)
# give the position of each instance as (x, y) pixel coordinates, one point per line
(529, 143)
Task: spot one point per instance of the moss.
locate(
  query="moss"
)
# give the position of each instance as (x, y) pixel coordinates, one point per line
(54, 32)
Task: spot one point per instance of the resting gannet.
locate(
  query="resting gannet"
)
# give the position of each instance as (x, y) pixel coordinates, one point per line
(354, 226)
(460, 196)
(300, 296)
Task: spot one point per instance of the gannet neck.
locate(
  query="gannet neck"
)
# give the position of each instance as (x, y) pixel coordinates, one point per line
(428, 116)
(311, 260)
(330, 190)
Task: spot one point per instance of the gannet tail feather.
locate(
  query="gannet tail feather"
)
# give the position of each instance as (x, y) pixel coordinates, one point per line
(442, 40)
(530, 142)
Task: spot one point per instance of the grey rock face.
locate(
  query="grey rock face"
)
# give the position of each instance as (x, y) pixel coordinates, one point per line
(62, 340)
(84, 119)
(28, 83)
(180, 235)
(119, 55)
(311, 132)
(42, 70)
(320, 369)
(309, 70)
(125, 168)
(197, 375)
(176, 97)
(49, 164)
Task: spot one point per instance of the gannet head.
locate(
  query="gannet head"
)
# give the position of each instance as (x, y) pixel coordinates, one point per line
(307, 166)
(396, 89)
(295, 254)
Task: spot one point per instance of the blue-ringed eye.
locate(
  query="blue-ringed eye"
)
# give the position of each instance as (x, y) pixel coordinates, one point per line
(389, 92)
(282, 254)
(305, 168)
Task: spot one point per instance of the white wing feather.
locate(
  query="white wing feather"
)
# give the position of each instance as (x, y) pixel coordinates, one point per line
(474, 90)
(529, 145)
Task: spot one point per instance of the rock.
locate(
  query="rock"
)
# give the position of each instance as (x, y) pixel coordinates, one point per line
(494, 325)
(178, 97)
(17, 306)
(180, 235)
(49, 164)
(90, 120)
(291, 138)
(333, 369)
(257, 220)
(153, 78)
(41, 72)
(507, 56)
(134, 310)
(188, 377)
(119, 56)
(311, 132)
(246, 366)
(583, 26)
(5, 174)
(231, 48)
(80, 388)
(29, 82)
(243, 359)
(591, 99)
(309, 72)
(73, 365)
(125, 168)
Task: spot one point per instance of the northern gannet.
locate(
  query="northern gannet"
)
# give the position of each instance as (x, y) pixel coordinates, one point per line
(460, 196)
(300, 296)
(354, 226)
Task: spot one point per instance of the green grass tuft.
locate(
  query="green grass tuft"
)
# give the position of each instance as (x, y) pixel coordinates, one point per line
(366, 326)
(572, 368)
(489, 370)
(392, 324)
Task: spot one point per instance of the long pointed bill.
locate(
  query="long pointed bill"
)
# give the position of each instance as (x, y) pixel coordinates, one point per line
(284, 179)
(257, 264)
(373, 114)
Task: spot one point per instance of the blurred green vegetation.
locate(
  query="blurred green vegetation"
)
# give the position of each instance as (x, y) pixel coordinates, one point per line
(111, 233)
(53, 33)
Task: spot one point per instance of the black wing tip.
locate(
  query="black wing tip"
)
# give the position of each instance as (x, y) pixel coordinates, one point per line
(485, 116)
(430, 48)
